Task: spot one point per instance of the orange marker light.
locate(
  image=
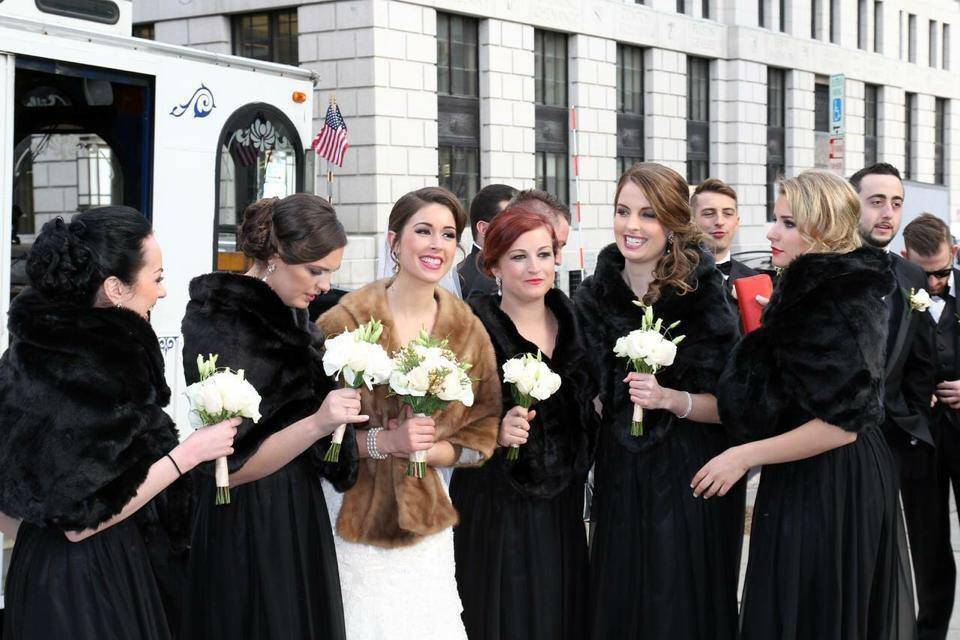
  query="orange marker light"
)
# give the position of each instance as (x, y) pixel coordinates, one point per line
(299, 97)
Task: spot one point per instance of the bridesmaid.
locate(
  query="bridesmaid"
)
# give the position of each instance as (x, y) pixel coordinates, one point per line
(806, 392)
(85, 446)
(395, 539)
(521, 546)
(663, 564)
(265, 565)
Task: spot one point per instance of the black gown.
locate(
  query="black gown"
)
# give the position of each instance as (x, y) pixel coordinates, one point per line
(521, 546)
(81, 422)
(265, 565)
(823, 554)
(663, 564)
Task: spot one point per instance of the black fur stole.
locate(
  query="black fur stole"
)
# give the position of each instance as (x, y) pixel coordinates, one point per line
(605, 307)
(81, 412)
(241, 319)
(563, 433)
(820, 352)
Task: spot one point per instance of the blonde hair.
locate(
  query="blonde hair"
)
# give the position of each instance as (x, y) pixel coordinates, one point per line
(668, 194)
(825, 209)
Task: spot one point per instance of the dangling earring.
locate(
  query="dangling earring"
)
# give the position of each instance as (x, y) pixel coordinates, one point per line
(395, 260)
(270, 269)
(669, 242)
(499, 285)
(119, 306)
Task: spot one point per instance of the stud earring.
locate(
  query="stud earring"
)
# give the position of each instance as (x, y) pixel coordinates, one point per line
(270, 269)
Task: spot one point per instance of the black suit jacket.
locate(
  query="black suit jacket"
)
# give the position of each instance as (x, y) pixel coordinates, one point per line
(942, 414)
(474, 282)
(911, 364)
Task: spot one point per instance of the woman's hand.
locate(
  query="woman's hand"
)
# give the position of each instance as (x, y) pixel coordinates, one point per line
(646, 391)
(402, 437)
(719, 475)
(341, 406)
(206, 443)
(515, 427)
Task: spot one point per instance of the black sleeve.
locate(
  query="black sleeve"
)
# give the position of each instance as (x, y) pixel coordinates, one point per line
(920, 370)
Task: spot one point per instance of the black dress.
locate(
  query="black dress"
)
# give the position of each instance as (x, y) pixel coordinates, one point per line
(663, 563)
(823, 556)
(521, 546)
(265, 565)
(81, 421)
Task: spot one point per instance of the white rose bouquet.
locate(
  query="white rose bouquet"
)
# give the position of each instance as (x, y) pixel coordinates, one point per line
(531, 380)
(649, 349)
(427, 376)
(220, 395)
(919, 300)
(357, 358)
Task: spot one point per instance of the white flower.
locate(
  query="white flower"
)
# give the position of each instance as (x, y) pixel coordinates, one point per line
(210, 401)
(920, 300)
(531, 376)
(352, 357)
(546, 386)
(451, 388)
(638, 344)
(663, 353)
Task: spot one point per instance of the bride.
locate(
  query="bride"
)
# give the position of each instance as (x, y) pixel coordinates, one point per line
(394, 533)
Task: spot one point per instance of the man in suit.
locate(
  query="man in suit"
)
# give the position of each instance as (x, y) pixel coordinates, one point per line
(539, 201)
(910, 366)
(714, 205)
(488, 202)
(930, 247)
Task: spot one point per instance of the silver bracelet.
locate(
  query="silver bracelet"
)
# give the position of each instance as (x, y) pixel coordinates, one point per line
(372, 450)
(689, 406)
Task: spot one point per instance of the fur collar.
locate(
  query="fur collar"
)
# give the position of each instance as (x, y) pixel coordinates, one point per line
(387, 508)
(81, 419)
(560, 447)
(241, 319)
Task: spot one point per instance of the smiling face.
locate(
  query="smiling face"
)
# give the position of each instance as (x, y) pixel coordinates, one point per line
(881, 208)
(527, 269)
(147, 287)
(716, 215)
(786, 243)
(298, 284)
(639, 234)
(427, 243)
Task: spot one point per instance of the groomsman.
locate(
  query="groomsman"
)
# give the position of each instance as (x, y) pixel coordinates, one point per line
(488, 202)
(929, 245)
(714, 205)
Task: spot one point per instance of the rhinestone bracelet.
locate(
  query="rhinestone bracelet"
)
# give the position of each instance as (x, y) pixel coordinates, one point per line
(689, 406)
(372, 450)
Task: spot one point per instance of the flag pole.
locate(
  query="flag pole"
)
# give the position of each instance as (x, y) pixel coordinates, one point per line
(333, 102)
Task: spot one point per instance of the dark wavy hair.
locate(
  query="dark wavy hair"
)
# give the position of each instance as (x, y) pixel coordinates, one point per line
(300, 228)
(69, 261)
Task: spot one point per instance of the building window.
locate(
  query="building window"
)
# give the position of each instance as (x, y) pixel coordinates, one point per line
(878, 27)
(458, 106)
(821, 123)
(939, 139)
(871, 112)
(900, 36)
(834, 25)
(945, 43)
(776, 133)
(682, 6)
(815, 19)
(909, 120)
(705, 9)
(98, 177)
(552, 131)
(783, 16)
(932, 46)
(762, 14)
(270, 36)
(698, 120)
(862, 24)
(630, 105)
(911, 38)
(144, 31)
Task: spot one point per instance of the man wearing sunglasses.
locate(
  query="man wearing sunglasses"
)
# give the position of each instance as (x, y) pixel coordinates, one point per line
(930, 246)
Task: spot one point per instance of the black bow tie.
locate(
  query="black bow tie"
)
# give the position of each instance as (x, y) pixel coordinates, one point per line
(725, 267)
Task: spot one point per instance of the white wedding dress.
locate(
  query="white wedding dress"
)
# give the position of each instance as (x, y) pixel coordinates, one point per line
(407, 593)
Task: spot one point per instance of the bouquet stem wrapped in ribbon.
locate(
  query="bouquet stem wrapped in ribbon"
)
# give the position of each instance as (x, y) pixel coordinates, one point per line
(356, 358)
(427, 377)
(221, 394)
(649, 349)
(531, 380)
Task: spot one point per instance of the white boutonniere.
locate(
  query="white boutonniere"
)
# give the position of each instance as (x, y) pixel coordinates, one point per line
(919, 300)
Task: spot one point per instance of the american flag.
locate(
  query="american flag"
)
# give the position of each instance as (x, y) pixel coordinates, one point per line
(331, 142)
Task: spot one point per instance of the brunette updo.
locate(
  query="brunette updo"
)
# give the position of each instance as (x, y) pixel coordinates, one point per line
(300, 228)
(70, 261)
(410, 203)
(507, 226)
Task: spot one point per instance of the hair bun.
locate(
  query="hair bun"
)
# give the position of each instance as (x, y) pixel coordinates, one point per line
(61, 266)
(255, 235)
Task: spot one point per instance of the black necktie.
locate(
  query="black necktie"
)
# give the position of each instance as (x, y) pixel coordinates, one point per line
(725, 267)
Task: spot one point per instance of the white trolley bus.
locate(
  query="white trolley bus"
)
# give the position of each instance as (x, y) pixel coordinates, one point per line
(91, 116)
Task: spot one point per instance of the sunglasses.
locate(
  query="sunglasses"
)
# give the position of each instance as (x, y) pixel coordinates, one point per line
(942, 273)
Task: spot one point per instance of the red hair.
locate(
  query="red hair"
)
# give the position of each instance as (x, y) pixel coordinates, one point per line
(506, 227)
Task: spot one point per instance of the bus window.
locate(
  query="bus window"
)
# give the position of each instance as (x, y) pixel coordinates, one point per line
(260, 157)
